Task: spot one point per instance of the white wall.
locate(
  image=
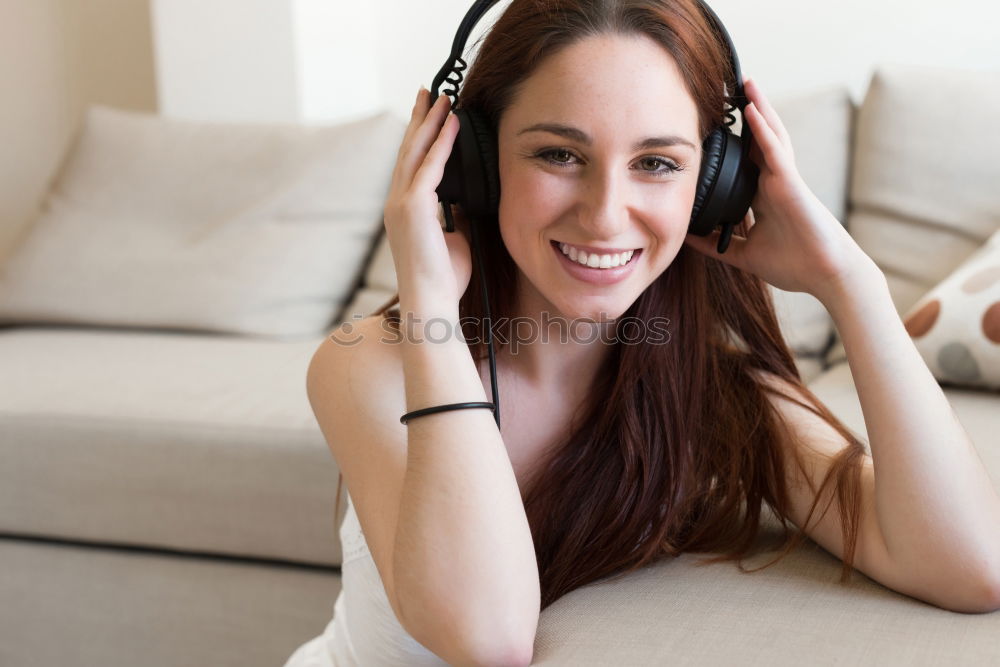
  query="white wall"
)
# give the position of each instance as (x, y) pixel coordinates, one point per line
(787, 45)
(336, 32)
(56, 57)
(314, 61)
(291, 61)
(230, 60)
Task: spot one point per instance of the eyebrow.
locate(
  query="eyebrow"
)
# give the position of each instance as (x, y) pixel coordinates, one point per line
(575, 134)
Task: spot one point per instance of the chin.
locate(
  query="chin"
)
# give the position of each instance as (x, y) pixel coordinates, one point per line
(585, 313)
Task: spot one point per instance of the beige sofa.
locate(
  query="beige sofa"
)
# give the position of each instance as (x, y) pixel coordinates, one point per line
(166, 497)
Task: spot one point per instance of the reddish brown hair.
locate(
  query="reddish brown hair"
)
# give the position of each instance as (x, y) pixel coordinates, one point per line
(677, 448)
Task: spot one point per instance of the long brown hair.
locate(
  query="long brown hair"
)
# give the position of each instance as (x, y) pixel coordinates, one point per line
(676, 448)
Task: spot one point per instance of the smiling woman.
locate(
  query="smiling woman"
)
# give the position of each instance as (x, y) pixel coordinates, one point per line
(592, 171)
(590, 168)
(616, 452)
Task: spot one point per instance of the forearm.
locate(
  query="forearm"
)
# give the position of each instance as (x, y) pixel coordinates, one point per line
(464, 555)
(936, 505)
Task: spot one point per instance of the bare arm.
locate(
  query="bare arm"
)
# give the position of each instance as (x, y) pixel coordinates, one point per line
(463, 563)
(464, 556)
(936, 505)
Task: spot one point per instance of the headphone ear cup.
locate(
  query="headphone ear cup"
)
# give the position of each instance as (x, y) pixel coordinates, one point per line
(471, 176)
(484, 195)
(726, 186)
(713, 152)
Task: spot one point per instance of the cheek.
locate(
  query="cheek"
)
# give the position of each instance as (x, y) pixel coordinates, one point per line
(670, 208)
(526, 189)
(530, 201)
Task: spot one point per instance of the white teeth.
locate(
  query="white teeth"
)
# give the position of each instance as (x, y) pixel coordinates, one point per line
(594, 260)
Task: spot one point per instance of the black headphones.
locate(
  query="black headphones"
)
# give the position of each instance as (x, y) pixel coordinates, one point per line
(727, 181)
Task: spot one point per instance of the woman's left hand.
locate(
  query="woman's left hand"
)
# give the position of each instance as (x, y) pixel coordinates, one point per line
(794, 242)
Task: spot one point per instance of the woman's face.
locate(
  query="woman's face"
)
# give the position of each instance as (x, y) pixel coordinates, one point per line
(607, 180)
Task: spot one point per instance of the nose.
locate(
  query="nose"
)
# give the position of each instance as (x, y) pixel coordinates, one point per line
(605, 211)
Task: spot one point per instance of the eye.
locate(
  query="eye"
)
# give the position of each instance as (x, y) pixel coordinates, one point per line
(669, 166)
(547, 155)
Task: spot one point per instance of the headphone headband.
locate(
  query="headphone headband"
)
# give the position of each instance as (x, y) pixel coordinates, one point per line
(479, 9)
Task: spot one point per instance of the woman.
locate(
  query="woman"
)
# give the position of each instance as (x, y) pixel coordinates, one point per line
(613, 453)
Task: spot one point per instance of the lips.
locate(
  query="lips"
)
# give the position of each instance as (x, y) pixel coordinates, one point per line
(596, 276)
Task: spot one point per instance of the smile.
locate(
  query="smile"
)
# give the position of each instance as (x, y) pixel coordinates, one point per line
(603, 269)
(593, 259)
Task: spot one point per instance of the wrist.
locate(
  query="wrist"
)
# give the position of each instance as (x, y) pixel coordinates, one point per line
(429, 321)
(427, 307)
(862, 279)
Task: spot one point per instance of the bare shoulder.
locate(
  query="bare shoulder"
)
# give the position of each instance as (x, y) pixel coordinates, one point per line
(355, 379)
(356, 353)
(814, 431)
(355, 386)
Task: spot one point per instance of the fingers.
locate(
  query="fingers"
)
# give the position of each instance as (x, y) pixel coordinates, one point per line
(426, 124)
(755, 153)
(774, 153)
(431, 170)
(415, 115)
(762, 104)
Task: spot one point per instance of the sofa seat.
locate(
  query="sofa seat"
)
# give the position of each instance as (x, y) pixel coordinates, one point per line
(792, 613)
(99, 606)
(74, 387)
(179, 441)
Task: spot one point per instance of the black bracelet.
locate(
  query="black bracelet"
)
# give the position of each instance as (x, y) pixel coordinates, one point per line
(442, 408)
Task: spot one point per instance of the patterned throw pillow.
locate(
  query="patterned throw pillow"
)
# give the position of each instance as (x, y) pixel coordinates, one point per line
(956, 326)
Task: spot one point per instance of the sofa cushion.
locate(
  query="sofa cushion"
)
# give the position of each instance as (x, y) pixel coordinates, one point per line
(795, 612)
(248, 229)
(956, 326)
(923, 188)
(172, 440)
(122, 606)
(808, 367)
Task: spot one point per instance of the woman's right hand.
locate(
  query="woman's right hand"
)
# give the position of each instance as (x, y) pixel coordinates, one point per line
(433, 267)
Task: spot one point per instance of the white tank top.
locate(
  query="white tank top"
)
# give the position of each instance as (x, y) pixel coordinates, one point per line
(364, 630)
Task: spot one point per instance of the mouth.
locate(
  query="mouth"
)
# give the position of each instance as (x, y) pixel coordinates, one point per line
(596, 260)
(604, 269)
